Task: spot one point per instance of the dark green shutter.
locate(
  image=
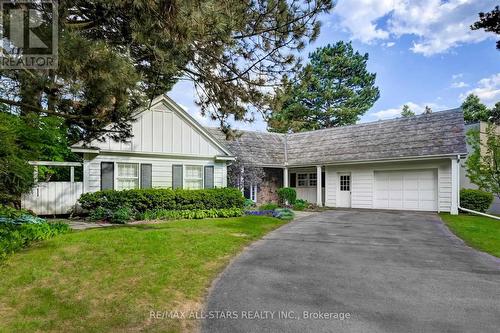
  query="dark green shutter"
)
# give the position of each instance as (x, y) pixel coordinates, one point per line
(293, 180)
(107, 175)
(146, 175)
(209, 177)
(176, 176)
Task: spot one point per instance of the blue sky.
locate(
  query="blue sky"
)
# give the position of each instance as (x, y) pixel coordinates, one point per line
(422, 51)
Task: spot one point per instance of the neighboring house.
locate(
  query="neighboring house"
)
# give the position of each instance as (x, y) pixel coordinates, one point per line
(405, 164)
(464, 180)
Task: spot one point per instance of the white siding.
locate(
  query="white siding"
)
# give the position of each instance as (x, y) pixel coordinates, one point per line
(330, 187)
(362, 189)
(163, 130)
(444, 187)
(161, 169)
(362, 177)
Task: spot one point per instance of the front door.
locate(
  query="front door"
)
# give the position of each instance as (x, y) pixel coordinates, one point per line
(344, 190)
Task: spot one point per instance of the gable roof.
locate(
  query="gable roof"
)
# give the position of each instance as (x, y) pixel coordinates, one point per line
(436, 134)
(169, 104)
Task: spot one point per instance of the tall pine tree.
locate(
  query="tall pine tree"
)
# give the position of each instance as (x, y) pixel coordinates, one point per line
(334, 89)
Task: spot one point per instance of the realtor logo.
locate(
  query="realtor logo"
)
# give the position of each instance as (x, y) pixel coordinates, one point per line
(28, 34)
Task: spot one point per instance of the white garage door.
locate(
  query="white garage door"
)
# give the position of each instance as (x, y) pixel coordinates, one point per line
(406, 190)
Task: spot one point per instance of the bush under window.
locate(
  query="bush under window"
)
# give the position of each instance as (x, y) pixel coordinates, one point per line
(142, 200)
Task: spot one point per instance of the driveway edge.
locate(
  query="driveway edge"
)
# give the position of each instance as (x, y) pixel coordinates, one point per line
(449, 233)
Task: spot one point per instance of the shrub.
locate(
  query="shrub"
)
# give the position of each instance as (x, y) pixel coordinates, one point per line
(268, 206)
(300, 205)
(287, 195)
(142, 200)
(11, 212)
(284, 214)
(475, 199)
(248, 203)
(162, 214)
(100, 214)
(19, 232)
(122, 215)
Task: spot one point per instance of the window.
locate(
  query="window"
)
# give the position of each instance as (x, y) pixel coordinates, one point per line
(345, 182)
(128, 176)
(313, 179)
(307, 179)
(302, 180)
(194, 177)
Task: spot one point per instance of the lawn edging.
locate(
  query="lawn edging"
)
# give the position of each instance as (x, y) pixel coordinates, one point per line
(448, 226)
(238, 255)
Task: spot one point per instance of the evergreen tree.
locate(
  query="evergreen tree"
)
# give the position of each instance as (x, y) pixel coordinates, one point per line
(495, 114)
(406, 111)
(334, 89)
(489, 22)
(115, 56)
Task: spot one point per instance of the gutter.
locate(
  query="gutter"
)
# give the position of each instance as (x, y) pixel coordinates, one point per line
(458, 197)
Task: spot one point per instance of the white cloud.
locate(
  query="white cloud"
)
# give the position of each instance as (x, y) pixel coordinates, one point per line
(459, 85)
(457, 76)
(436, 25)
(396, 112)
(390, 44)
(487, 89)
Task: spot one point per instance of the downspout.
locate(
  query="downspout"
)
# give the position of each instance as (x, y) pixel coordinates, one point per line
(458, 197)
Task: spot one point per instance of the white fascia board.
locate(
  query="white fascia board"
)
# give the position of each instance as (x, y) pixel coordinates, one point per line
(382, 160)
(85, 150)
(54, 163)
(225, 158)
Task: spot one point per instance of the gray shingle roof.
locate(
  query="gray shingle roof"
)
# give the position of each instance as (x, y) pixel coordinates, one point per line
(439, 133)
(258, 148)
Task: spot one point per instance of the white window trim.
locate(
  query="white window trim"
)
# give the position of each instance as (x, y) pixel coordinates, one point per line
(116, 178)
(184, 173)
(307, 179)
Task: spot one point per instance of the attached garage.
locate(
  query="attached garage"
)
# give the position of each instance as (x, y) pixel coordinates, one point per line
(406, 190)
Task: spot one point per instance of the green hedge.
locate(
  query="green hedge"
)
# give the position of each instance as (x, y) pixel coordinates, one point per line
(142, 200)
(475, 199)
(162, 214)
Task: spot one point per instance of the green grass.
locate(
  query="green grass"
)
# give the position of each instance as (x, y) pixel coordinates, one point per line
(109, 279)
(479, 232)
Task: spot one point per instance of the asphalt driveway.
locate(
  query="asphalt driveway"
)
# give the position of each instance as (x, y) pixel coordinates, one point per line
(380, 271)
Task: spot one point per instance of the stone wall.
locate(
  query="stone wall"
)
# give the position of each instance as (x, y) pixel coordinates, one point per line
(268, 189)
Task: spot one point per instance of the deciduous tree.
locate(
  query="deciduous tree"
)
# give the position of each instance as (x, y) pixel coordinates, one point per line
(483, 164)
(474, 110)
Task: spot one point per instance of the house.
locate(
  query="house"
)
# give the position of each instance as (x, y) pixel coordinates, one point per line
(168, 149)
(406, 163)
(464, 180)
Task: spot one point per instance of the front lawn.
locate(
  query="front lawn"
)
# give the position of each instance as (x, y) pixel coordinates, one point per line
(109, 279)
(479, 232)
